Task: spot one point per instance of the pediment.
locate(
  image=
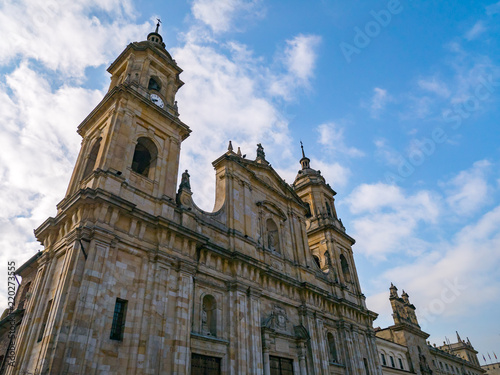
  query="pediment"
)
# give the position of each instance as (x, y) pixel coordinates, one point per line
(267, 175)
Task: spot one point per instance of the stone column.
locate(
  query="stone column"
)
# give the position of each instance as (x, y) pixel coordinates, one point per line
(242, 331)
(325, 366)
(302, 359)
(267, 365)
(183, 317)
(255, 332)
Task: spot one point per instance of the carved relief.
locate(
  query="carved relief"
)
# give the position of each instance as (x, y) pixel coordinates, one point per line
(277, 319)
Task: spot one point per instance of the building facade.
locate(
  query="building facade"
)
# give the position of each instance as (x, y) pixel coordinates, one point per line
(404, 347)
(492, 368)
(134, 278)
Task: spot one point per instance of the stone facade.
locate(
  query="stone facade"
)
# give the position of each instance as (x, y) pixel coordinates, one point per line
(492, 369)
(134, 278)
(403, 347)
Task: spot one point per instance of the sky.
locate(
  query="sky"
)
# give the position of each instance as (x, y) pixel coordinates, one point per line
(396, 102)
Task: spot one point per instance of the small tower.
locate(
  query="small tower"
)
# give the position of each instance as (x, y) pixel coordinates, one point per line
(329, 243)
(403, 310)
(100, 248)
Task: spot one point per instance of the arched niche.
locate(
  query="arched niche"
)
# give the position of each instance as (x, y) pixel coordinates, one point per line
(272, 234)
(332, 348)
(345, 268)
(209, 315)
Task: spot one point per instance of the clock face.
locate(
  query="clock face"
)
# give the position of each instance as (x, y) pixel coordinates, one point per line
(157, 100)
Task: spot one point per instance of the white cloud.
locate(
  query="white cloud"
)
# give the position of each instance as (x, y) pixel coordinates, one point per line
(493, 9)
(331, 136)
(220, 15)
(39, 145)
(387, 219)
(378, 101)
(389, 155)
(299, 60)
(75, 39)
(434, 86)
(300, 55)
(475, 31)
(457, 277)
(469, 190)
(227, 97)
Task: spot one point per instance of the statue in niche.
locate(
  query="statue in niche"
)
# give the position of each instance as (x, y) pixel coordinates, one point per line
(204, 320)
(185, 181)
(271, 240)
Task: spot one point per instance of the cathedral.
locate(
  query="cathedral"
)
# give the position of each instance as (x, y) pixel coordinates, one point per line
(134, 278)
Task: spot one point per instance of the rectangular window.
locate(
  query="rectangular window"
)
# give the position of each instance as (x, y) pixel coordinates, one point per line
(401, 364)
(118, 325)
(384, 362)
(44, 321)
(392, 361)
(281, 366)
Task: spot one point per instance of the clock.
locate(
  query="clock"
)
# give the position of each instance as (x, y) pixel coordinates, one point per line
(157, 100)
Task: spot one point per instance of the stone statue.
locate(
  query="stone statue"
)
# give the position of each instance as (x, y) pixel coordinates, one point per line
(204, 319)
(271, 240)
(185, 181)
(260, 151)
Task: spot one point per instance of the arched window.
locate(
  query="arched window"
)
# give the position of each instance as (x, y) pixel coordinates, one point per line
(345, 268)
(309, 211)
(154, 84)
(273, 240)
(328, 209)
(332, 348)
(209, 316)
(144, 156)
(89, 167)
(317, 261)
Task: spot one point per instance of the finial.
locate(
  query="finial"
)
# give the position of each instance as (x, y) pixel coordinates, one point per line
(239, 152)
(157, 25)
(302, 147)
(230, 146)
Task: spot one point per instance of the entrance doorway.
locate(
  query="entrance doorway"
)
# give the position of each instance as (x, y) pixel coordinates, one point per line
(281, 366)
(204, 365)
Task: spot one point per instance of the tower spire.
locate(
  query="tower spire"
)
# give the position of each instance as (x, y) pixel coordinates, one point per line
(155, 36)
(305, 160)
(302, 147)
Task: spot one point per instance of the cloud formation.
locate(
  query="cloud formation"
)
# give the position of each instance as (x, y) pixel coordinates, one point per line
(378, 101)
(221, 15)
(299, 60)
(331, 137)
(66, 36)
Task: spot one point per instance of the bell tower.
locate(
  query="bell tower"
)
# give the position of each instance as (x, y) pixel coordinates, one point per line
(327, 237)
(131, 140)
(99, 263)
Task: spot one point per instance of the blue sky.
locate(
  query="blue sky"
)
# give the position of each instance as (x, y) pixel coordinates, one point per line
(396, 103)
